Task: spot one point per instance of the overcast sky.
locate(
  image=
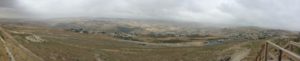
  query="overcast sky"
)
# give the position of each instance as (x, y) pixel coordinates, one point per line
(281, 14)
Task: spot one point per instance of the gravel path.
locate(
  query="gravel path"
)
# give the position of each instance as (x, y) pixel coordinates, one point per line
(240, 54)
(10, 54)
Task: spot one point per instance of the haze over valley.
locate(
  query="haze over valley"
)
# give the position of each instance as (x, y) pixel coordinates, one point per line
(148, 30)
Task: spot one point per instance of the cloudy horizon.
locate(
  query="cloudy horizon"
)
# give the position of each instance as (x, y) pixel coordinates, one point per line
(279, 14)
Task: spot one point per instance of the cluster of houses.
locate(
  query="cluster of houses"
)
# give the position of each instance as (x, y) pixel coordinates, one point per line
(176, 34)
(252, 35)
(85, 31)
(132, 35)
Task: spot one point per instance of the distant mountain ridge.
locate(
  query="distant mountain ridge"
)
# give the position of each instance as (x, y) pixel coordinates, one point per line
(12, 13)
(155, 27)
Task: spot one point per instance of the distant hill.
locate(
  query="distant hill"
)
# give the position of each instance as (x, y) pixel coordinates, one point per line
(11, 13)
(134, 28)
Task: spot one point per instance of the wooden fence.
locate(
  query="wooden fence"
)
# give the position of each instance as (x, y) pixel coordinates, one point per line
(273, 52)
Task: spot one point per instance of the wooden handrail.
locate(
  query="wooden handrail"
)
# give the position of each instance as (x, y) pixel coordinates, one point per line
(288, 53)
(264, 54)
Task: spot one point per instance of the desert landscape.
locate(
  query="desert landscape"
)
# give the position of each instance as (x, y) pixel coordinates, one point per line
(149, 30)
(101, 40)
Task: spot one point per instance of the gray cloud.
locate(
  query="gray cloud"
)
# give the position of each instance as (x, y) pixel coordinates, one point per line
(10, 9)
(281, 14)
(163, 9)
(7, 3)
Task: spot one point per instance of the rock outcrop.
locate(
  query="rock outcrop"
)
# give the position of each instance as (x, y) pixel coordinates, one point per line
(34, 38)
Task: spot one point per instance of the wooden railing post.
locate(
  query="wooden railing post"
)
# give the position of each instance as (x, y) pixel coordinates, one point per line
(266, 52)
(285, 53)
(280, 55)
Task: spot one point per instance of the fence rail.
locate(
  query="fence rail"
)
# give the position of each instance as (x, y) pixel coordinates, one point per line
(273, 52)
